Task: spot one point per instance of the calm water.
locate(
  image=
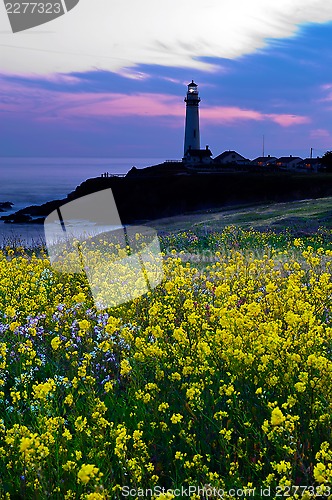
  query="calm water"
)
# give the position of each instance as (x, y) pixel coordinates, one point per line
(32, 181)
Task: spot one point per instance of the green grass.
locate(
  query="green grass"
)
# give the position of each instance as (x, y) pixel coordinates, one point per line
(299, 217)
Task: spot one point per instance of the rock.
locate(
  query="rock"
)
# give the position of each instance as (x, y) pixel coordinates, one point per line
(27, 214)
(17, 219)
(5, 206)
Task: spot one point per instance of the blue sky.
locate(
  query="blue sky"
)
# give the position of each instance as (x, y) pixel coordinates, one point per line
(272, 77)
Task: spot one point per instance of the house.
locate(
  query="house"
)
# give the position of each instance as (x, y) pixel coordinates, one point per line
(198, 156)
(288, 162)
(311, 164)
(230, 157)
(264, 161)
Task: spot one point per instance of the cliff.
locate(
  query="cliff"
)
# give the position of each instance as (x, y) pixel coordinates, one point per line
(157, 192)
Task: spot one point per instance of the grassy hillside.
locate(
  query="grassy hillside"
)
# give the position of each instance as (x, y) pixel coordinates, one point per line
(299, 217)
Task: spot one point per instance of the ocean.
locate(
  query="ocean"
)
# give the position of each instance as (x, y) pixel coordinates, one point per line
(33, 181)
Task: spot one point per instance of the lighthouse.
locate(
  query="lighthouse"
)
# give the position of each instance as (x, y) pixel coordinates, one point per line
(191, 136)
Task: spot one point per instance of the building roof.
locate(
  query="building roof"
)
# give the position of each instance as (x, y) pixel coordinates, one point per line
(192, 84)
(264, 158)
(199, 152)
(288, 159)
(312, 160)
(225, 154)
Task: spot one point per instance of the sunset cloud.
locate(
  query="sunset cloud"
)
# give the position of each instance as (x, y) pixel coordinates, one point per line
(224, 114)
(118, 35)
(320, 133)
(327, 91)
(285, 120)
(47, 105)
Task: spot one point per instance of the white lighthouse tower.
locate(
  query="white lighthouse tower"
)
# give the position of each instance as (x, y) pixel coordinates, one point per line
(191, 136)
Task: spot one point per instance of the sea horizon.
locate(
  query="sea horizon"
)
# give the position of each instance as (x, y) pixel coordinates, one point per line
(29, 181)
(35, 180)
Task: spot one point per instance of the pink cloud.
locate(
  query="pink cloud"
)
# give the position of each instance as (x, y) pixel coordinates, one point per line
(230, 114)
(49, 105)
(151, 105)
(285, 120)
(321, 139)
(326, 86)
(320, 133)
(220, 114)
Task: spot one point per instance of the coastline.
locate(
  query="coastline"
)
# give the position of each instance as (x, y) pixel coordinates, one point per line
(300, 218)
(145, 195)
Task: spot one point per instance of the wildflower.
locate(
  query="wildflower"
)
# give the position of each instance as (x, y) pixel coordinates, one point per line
(108, 386)
(15, 395)
(69, 400)
(80, 423)
(26, 443)
(84, 325)
(176, 418)
(87, 472)
(14, 325)
(41, 391)
(282, 467)
(300, 387)
(112, 325)
(163, 407)
(67, 435)
(10, 312)
(95, 496)
(69, 465)
(277, 416)
(55, 343)
(319, 471)
(125, 367)
(79, 298)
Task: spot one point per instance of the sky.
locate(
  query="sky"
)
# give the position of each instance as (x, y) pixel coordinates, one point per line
(108, 79)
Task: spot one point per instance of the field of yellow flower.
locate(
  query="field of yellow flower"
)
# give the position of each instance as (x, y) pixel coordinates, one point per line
(218, 378)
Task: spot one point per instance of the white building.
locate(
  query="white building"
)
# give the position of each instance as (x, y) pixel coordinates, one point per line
(201, 156)
(264, 161)
(193, 154)
(191, 136)
(288, 162)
